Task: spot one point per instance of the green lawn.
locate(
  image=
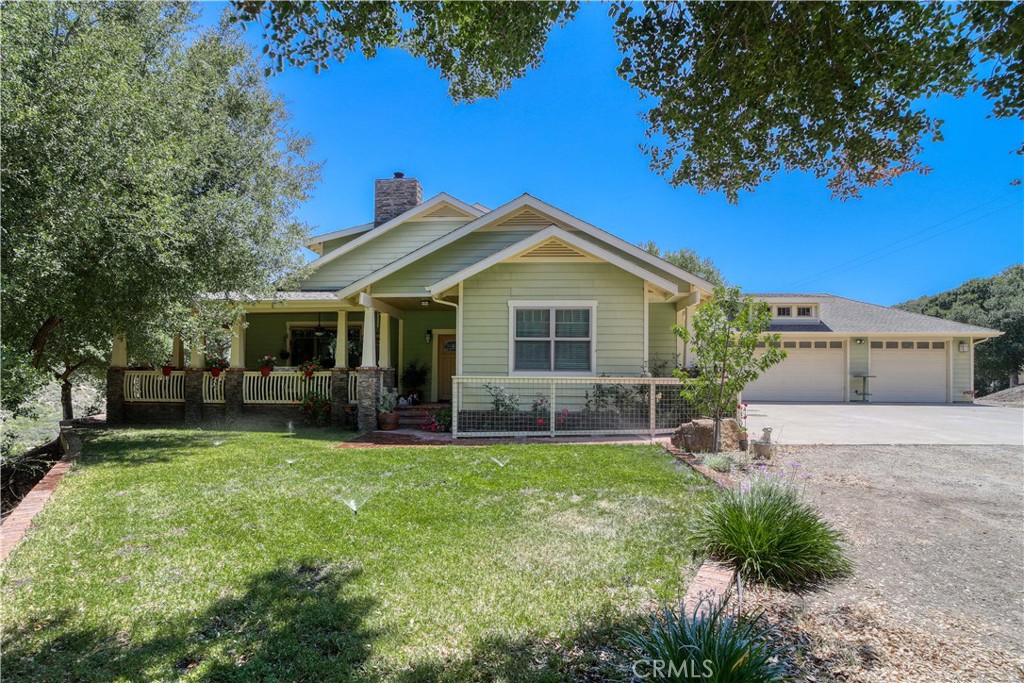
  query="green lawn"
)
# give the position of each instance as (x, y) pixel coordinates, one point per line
(216, 556)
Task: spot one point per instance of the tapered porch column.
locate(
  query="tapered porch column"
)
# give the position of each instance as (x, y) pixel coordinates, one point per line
(384, 360)
(341, 341)
(177, 353)
(196, 356)
(237, 359)
(369, 359)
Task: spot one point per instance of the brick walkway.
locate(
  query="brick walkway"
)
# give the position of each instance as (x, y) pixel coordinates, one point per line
(16, 524)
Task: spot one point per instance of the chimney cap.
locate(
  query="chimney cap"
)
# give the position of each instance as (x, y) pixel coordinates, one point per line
(399, 174)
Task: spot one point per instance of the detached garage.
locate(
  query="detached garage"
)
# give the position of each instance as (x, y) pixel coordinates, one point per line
(845, 350)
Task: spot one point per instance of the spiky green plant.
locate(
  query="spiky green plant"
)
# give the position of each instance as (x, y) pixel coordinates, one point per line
(719, 463)
(711, 644)
(771, 536)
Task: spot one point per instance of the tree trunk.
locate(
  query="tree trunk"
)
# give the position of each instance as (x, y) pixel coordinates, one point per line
(65, 400)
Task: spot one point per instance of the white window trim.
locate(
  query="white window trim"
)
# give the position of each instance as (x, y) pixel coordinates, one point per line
(551, 304)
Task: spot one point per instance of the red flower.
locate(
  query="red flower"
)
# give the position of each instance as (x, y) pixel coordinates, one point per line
(540, 421)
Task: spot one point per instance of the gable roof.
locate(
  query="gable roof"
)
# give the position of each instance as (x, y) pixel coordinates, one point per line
(548, 234)
(509, 208)
(839, 314)
(420, 209)
(337, 234)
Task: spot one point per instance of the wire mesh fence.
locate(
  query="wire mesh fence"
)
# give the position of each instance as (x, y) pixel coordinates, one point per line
(565, 406)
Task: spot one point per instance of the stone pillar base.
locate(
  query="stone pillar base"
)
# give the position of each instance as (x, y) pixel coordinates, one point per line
(194, 395)
(368, 392)
(233, 392)
(339, 396)
(115, 395)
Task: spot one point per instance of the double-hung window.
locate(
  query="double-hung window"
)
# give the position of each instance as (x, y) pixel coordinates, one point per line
(552, 338)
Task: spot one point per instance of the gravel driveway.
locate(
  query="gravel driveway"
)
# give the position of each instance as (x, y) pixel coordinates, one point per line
(937, 532)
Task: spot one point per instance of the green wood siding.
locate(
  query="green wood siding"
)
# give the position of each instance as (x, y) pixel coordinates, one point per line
(859, 358)
(620, 312)
(448, 261)
(961, 370)
(661, 339)
(331, 245)
(377, 253)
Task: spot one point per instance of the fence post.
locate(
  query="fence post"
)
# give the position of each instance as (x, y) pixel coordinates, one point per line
(653, 416)
(551, 409)
(455, 407)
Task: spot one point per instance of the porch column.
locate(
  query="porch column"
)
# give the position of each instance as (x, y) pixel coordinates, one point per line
(196, 357)
(177, 353)
(401, 350)
(237, 359)
(369, 359)
(384, 360)
(115, 381)
(341, 341)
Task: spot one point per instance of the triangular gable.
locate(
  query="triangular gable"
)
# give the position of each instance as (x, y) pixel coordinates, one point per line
(443, 202)
(548, 236)
(555, 215)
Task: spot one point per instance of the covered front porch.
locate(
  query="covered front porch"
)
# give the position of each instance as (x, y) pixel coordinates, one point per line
(360, 347)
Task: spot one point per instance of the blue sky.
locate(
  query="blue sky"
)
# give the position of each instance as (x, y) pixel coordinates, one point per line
(568, 133)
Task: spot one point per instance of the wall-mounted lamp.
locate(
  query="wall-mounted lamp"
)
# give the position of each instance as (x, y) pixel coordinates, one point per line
(429, 336)
(858, 341)
(963, 347)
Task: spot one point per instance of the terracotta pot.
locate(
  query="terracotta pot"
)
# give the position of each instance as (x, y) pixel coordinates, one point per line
(167, 369)
(215, 372)
(387, 421)
(265, 370)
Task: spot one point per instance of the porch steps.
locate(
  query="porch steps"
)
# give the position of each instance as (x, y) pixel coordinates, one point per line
(413, 417)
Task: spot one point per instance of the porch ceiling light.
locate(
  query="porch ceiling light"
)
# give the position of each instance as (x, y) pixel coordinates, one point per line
(319, 330)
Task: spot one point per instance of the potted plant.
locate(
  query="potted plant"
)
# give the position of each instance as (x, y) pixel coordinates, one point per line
(414, 377)
(308, 367)
(267, 364)
(216, 364)
(387, 418)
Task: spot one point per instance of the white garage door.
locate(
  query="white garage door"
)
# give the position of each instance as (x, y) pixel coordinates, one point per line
(813, 371)
(908, 372)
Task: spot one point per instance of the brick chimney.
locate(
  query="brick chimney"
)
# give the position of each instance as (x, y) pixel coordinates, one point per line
(394, 196)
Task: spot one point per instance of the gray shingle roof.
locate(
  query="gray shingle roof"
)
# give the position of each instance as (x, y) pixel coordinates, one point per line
(838, 314)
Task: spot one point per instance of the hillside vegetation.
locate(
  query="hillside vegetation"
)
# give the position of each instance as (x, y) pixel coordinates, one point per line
(996, 302)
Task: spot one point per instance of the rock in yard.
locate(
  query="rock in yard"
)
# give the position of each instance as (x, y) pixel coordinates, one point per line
(698, 436)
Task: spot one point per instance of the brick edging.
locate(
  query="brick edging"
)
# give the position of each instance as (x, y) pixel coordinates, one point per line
(16, 524)
(722, 480)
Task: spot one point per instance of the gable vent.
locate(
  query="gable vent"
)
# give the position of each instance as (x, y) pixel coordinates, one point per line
(527, 217)
(446, 211)
(553, 249)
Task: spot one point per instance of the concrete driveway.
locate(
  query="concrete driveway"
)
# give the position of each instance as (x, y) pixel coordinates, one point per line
(887, 423)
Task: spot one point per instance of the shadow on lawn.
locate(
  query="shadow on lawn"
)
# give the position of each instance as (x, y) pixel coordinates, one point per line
(292, 623)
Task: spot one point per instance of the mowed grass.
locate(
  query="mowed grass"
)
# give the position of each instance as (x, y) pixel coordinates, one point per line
(231, 556)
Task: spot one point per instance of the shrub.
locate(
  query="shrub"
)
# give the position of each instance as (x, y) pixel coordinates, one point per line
(719, 463)
(315, 408)
(439, 421)
(388, 400)
(503, 400)
(771, 536)
(709, 644)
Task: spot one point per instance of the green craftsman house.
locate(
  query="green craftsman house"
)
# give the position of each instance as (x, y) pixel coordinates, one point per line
(528, 320)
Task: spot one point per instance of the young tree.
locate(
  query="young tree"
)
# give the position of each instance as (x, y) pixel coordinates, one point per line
(142, 168)
(688, 260)
(740, 90)
(726, 331)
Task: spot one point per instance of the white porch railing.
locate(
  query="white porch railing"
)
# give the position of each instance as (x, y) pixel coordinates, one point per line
(152, 386)
(213, 388)
(353, 390)
(284, 387)
(566, 406)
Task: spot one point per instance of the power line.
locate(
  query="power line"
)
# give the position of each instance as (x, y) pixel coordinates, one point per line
(833, 271)
(885, 247)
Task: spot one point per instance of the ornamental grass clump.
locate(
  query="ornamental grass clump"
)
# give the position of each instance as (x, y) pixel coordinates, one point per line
(771, 536)
(711, 643)
(719, 463)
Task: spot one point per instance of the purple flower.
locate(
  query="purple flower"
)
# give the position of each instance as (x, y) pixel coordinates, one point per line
(805, 475)
(794, 464)
(744, 488)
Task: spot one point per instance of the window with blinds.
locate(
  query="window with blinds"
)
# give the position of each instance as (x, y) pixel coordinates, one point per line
(552, 340)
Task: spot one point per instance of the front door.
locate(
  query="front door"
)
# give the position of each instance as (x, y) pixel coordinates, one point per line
(445, 366)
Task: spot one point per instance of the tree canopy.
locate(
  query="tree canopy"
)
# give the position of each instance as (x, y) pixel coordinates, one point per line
(739, 91)
(688, 260)
(996, 302)
(142, 168)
